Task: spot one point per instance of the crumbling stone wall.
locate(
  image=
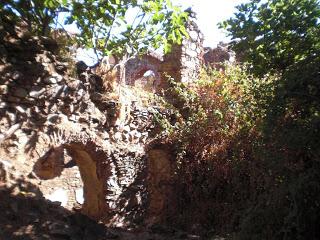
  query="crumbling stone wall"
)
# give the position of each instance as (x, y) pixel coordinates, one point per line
(135, 68)
(57, 130)
(160, 183)
(38, 102)
(217, 57)
(183, 63)
(61, 131)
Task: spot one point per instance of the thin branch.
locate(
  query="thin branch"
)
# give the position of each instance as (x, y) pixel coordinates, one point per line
(136, 17)
(143, 16)
(110, 29)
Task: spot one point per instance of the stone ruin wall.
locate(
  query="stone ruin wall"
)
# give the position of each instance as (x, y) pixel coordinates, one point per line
(68, 138)
(216, 58)
(59, 133)
(183, 63)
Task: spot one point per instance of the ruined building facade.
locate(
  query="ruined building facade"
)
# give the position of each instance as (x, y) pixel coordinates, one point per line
(65, 136)
(183, 63)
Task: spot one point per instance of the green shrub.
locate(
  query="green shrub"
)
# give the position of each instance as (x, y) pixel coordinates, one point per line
(237, 171)
(277, 36)
(219, 122)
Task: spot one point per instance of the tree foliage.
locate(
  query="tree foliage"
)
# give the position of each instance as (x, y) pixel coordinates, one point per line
(107, 26)
(276, 35)
(282, 37)
(122, 26)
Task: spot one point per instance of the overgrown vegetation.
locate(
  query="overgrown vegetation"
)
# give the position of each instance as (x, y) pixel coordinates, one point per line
(235, 171)
(219, 126)
(246, 140)
(283, 37)
(248, 147)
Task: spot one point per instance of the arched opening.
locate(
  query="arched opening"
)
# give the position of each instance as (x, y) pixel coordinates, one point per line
(58, 170)
(147, 79)
(111, 193)
(144, 71)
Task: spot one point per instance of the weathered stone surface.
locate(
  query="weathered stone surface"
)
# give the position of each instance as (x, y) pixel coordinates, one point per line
(117, 136)
(3, 105)
(56, 78)
(75, 136)
(4, 167)
(36, 91)
(188, 56)
(43, 58)
(126, 129)
(51, 164)
(216, 57)
(20, 93)
(4, 89)
(60, 229)
(90, 163)
(16, 75)
(50, 80)
(159, 184)
(20, 109)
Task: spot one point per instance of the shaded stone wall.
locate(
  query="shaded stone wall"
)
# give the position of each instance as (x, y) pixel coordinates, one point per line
(160, 183)
(62, 133)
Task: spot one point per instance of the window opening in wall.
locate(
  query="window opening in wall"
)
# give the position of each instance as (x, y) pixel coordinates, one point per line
(147, 80)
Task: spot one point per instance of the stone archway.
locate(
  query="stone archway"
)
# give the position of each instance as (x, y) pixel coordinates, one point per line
(94, 171)
(147, 79)
(145, 196)
(94, 204)
(136, 68)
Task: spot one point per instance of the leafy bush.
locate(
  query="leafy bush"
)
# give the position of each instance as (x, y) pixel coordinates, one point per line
(236, 170)
(219, 124)
(276, 36)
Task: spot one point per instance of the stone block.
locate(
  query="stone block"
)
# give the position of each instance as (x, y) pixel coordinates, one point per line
(4, 89)
(20, 93)
(53, 79)
(36, 91)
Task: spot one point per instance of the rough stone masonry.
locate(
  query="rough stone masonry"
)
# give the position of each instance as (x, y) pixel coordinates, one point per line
(183, 63)
(70, 141)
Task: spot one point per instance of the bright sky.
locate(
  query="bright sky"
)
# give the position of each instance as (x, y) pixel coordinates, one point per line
(209, 14)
